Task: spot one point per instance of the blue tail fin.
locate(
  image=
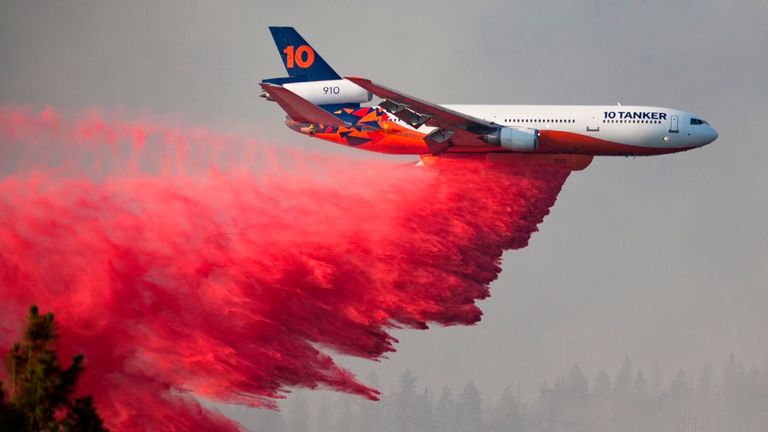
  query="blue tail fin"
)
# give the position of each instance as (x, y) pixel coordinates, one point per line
(301, 61)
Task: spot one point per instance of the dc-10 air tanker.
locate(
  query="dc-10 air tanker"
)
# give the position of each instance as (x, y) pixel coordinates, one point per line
(322, 104)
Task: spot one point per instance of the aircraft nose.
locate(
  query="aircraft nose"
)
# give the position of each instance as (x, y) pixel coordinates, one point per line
(710, 135)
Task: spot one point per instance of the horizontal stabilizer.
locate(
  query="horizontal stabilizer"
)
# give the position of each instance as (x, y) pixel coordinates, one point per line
(300, 109)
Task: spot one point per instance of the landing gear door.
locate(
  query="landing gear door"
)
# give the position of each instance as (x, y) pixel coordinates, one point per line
(673, 124)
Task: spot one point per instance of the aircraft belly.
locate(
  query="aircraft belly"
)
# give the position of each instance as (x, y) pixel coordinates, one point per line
(616, 143)
(551, 141)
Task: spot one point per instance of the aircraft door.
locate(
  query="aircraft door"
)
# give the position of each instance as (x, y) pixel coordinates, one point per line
(593, 125)
(673, 124)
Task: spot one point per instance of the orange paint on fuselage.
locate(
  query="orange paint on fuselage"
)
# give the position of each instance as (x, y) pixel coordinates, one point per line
(391, 138)
(395, 139)
(553, 141)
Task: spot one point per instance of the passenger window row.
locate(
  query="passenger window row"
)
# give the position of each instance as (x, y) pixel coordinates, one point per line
(517, 120)
(633, 121)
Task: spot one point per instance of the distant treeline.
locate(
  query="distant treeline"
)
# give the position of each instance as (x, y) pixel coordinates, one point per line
(737, 401)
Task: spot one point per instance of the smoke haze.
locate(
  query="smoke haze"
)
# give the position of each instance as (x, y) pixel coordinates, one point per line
(659, 259)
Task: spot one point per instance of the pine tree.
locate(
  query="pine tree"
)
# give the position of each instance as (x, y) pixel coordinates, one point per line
(641, 404)
(704, 401)
(421, 415)
(404, 400)
(505, 414)
(622, 398)
(371, 412)
(445, 411)
(470, 409)
(678, 402)
(41, 391)
(575, 400)
(11, 419)
(602, 393)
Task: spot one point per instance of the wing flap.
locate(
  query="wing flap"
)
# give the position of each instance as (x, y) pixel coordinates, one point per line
(423, 112)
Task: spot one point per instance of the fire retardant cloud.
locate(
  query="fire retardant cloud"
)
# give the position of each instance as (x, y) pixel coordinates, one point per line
(178, 274)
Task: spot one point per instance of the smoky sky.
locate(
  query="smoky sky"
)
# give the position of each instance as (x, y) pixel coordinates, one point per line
(661, 259)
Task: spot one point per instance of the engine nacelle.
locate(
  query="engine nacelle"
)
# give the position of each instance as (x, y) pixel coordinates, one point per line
(330, 92)
(516, 139)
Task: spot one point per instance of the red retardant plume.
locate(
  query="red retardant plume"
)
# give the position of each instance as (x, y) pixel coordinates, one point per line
(180, 269)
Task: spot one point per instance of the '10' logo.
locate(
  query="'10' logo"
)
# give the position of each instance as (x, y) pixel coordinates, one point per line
(303, 56)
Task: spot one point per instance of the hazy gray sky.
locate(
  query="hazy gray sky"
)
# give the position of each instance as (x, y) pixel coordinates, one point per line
(660, 259)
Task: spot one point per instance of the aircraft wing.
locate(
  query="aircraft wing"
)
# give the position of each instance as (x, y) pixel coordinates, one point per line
(452, 125)
(300, 109)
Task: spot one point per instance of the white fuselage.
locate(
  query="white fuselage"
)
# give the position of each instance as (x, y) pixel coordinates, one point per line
(634, 126)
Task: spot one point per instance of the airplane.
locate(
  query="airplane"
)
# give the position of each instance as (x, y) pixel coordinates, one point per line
(322, 104)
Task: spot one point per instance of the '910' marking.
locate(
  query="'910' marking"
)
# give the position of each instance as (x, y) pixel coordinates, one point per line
(331, 90)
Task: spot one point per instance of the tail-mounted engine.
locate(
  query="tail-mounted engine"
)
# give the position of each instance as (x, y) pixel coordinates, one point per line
(329, 92)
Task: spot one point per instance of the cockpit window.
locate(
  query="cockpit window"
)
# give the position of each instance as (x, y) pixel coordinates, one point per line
(695, 121)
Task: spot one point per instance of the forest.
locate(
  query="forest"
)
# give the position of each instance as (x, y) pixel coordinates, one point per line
(734, 399)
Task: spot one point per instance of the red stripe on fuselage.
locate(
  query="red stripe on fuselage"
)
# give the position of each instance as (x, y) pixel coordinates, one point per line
(553, 141)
